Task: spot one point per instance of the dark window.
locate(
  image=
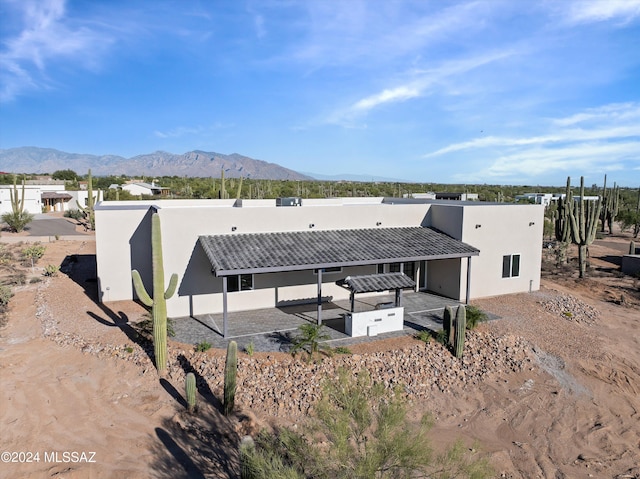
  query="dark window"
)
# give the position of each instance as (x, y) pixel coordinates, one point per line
(394, 268)
(333, 269)
(515, 265)
(511, 266)
(241, 282)
(381, 269)
(410, 269)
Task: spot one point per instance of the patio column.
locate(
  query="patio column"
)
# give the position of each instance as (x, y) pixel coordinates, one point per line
(224, 306)
(398, 297)
(468, 279)
(319, 296)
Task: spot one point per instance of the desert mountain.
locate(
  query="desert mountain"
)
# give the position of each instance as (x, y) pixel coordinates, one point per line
(160, 163)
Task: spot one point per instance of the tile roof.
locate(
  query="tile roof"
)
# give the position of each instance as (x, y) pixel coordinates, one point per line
(370, 283)
(300, 250)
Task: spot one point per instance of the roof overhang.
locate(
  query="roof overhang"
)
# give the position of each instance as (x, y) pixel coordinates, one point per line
(254, 253)
(374, 283)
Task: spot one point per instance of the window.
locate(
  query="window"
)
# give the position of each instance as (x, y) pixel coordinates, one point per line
(241, 282)
(511, 266)
(334, 269)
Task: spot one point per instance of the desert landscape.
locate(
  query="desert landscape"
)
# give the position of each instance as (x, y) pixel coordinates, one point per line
(550, 389)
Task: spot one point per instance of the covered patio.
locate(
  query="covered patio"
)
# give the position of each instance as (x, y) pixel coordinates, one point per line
(271, 329)
(257, 253)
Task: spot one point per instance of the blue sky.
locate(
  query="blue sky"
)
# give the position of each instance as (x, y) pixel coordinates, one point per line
(496, 91)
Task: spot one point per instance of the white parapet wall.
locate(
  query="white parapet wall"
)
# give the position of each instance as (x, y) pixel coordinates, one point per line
(372, 323)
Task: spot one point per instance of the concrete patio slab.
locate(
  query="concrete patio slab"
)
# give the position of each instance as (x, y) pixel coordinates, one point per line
(273, 329)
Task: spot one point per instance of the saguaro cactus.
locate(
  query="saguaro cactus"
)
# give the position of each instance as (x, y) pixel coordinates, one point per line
(230, 377)
(89, 211)
(584, 223)
(447, 325)
(223, 194)
(158, 303)
(17, 205)
(563, 222)
(461, 326)
(190, 391)
(610, 205)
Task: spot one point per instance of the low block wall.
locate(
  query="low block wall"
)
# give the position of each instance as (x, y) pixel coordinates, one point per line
(372, 323)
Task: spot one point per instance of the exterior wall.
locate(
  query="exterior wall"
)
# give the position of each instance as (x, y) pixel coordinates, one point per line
(137, 190)
(81, 197)
(503, 230)
(32, 201)
(123, 239)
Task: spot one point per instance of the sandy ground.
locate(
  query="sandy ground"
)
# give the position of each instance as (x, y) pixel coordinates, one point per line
(575, 415)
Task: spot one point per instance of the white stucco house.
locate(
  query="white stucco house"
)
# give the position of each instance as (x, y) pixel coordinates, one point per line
(237, 255)
(150, 189)
(44, 198)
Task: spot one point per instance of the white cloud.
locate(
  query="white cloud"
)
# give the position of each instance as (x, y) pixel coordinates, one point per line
(45, 36)
(590, 11)
(599, 139)
(420, 84)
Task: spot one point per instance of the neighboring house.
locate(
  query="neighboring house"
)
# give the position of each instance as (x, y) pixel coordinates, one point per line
(32, 198)
(235, 255)
(537, 198)
(150, 189)
(48, 197)
(457, 196)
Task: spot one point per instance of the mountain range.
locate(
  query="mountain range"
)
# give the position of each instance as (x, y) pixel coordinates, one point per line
(160, 163)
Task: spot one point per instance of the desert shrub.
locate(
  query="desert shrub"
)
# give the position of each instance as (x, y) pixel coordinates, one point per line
(35, 280)
(309, 339)
(5, 295)
(145, 327)
(249, 348)
(424, 335)
(16, 221)
(51, 270)
(475, 316)
(442, 337)
(16, 278)
(358, 430)
(203, 346)
(6, 255)
(34, 253)
(74, 214)
(342, 350)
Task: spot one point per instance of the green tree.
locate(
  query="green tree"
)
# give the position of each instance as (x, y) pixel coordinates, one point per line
(67, 175)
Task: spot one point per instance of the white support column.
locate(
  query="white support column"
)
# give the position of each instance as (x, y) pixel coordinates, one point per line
(319, 296)
(224, 306)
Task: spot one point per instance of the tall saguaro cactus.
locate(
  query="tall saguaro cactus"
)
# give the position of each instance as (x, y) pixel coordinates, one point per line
(584, 223)
(230, 377)
(563, 222)
(89, 211)
(610, 204)
(17, 205)
(17, 218)
(158, 303)
(223, 194)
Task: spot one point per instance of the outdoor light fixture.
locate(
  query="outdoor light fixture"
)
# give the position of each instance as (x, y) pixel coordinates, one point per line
(312, 225)
(233, 228)
(378, 223)
(531, 223)
(478, 226)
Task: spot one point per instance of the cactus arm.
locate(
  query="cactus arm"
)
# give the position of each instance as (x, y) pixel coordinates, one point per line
(173, 284)
(140, 289)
